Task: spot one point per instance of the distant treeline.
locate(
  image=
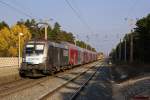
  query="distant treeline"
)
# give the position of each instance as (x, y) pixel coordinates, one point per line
(141, 44)
(31, 30)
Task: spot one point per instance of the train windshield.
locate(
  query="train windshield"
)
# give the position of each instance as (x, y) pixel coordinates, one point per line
(34, 49)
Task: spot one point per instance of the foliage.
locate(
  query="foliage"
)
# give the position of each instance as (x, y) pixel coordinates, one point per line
(141, 41)
(5, 40)
(82, 44)
(3, 24)
(54, 33)
(32, 30)
(9, 39)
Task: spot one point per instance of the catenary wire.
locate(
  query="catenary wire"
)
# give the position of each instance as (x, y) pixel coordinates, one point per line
(17, 10)
(79, 16)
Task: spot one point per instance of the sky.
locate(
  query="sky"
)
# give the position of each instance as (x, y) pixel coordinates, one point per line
(103, 21)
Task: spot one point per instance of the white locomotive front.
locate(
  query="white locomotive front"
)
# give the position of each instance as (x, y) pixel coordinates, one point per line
(34, 58)
(34, 54)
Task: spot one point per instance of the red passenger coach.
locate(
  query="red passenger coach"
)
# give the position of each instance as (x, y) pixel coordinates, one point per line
(90, 56)
(73, 54)
(80, 56)
(85, 56)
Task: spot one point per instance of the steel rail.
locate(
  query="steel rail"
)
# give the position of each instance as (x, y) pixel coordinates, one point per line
(45, 96)
(73, 97)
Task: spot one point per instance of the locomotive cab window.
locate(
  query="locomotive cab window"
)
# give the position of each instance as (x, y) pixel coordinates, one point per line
(39, 48)
(29, 49)
(34, 49)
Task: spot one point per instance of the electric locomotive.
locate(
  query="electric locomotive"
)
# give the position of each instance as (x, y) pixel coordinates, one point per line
(42, 57)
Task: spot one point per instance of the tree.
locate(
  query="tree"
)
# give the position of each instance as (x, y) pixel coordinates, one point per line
(143, 32)
(53, 36)
(141, 41)
(5, 41)
(9, 39)
(30, 29)
(33, 27)
(64, 36)
(3, 24)
(16, 29)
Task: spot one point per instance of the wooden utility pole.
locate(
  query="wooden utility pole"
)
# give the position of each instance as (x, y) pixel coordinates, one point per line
(131, 48)
(125, 50)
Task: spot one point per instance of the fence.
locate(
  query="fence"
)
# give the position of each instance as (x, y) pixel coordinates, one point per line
(8, 61)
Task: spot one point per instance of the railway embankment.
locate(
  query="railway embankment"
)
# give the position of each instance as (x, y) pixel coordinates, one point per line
(123, 72)
(9, 70)
(9, 74)
(131, 81)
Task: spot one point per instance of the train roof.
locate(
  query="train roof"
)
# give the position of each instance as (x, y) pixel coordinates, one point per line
(65, 45)
(69, 45)
(36, 41)
(77, 47)
(49, 43)
(58, 45)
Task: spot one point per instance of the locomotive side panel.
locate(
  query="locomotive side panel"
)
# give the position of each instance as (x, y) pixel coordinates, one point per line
(50, 57)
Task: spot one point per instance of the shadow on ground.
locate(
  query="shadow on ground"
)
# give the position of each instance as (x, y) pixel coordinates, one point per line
(99, 88)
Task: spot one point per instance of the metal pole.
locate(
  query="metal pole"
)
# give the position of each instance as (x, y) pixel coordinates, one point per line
(46, 32)
(75, 42)
(20, 34)
(19, 52)
(125, 51)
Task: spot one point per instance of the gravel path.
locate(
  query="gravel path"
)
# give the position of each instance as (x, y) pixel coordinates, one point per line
(99, 88)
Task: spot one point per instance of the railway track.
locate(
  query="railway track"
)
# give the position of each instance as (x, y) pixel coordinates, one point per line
(76, 93)
(74, 96)
(20, 85)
